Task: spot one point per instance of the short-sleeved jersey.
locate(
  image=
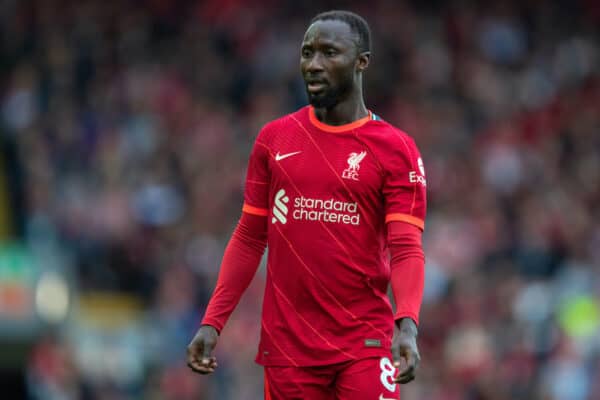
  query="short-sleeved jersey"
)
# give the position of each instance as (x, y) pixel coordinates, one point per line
(328, 192)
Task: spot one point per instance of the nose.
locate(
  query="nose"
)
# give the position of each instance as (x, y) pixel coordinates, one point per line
(315, 64)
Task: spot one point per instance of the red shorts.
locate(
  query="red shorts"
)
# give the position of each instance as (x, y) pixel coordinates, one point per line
(366, 379)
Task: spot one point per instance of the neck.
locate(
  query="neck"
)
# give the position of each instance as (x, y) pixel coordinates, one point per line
(347, 111)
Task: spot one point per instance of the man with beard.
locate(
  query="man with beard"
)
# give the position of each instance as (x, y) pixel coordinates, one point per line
(330, 188)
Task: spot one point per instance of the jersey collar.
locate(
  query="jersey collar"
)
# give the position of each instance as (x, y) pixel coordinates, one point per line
(336, 128)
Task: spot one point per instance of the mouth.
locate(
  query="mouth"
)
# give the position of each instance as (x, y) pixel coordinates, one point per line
(316, 87)
(315, 83)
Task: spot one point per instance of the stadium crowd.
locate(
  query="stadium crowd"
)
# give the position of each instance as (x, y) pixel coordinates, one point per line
(130, 124)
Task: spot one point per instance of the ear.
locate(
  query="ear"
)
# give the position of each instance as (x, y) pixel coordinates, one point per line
(362, 61)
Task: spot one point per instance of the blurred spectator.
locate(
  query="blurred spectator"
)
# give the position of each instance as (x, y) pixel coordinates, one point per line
(131, 123)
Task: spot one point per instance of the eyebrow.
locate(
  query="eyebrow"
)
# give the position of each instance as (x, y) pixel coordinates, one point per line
(354, 38)
(327, 43)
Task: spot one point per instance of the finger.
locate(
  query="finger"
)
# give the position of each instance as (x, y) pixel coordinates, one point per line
(396, 356)
(203, 362)
(406, 375)
(405, 380)
(199, 354)
(207, 354)
(200, 364)
(197, 367)
(411, 368)
(201, 368)
(409, 373)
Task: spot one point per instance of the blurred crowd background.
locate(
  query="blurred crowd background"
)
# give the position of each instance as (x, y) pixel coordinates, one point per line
(125, 128)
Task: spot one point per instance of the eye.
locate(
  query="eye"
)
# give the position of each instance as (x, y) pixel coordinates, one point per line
(331, 52)
(306, 53)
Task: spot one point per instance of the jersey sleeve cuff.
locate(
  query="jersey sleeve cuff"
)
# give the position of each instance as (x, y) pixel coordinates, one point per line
(406, 314)
(263, 212)
(214, 323)
(418, 222)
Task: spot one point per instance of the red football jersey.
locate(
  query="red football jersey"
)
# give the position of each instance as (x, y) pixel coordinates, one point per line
(327, 192)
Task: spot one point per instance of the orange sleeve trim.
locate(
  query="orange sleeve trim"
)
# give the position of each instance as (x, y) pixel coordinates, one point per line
(418, 222)
(263, 212)
(336, 128)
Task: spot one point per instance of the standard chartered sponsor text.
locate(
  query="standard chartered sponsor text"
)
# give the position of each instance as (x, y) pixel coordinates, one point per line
(329, 210)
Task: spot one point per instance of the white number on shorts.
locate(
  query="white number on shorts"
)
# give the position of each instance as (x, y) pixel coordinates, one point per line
(387, 374)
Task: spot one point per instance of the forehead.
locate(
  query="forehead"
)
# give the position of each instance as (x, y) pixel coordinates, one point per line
(330, 31)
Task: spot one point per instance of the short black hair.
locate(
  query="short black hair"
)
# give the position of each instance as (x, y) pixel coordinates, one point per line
(357, 24)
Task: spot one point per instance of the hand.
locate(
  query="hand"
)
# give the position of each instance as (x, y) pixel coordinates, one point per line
(404, 346)
(199, 351)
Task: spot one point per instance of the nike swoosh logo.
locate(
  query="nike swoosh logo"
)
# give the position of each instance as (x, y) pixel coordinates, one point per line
(385, 398)
(279, 157)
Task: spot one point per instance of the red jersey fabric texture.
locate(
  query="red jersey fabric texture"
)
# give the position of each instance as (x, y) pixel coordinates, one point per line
(325, 194)
(238, 267)
(408, 269)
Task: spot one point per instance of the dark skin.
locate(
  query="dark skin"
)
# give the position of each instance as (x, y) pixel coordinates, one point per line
(200, 350)
(332, 66)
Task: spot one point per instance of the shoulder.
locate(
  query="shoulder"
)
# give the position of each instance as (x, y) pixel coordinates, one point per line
(282, 124)
(389, 140)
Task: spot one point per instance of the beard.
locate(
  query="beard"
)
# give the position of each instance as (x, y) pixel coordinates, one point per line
(326, 99)
(331, 96)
